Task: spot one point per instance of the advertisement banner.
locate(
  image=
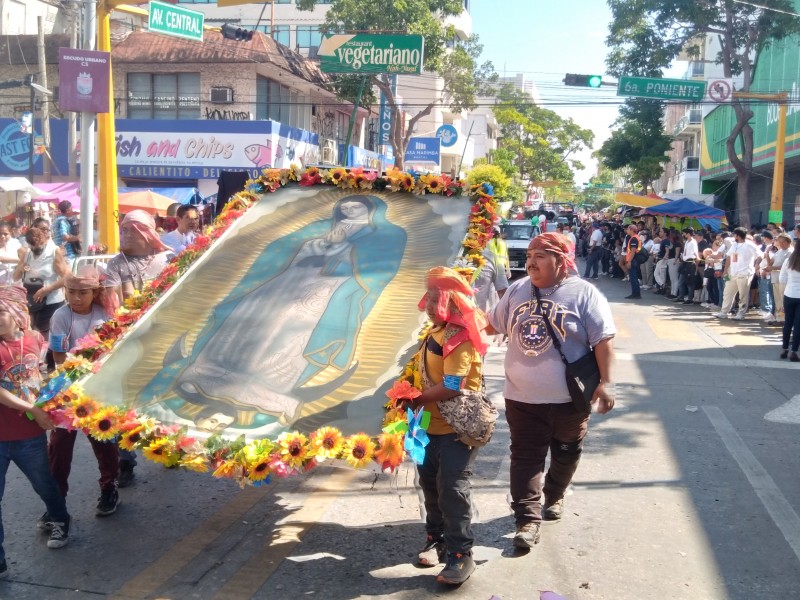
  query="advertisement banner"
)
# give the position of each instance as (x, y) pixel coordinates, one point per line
(371, 53)
(385, 123)
(424, 150)
(84, 80)
(15, 147)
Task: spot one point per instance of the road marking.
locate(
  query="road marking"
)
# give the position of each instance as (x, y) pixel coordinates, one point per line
(244, 584)
(786, 413)
(622, 331)
(672, 329)
(709, 361)
(190, 546)
(764, 486)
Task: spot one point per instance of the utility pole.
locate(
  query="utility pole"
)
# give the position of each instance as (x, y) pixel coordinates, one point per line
(46, 166)
(72, 116)
(88, 144)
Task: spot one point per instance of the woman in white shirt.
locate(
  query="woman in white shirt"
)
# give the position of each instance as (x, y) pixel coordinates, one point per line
(9, 254)
(784, 244)
(790, 278)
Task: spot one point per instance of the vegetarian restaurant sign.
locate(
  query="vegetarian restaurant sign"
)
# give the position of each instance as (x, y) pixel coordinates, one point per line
(371, 54)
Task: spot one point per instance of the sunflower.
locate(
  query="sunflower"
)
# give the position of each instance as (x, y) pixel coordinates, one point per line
(293, 448)
(104, 424)
(433, 183)
(326, 442)
(259, 471)
(228, 469)
(162, 451)
(407, 182)
(358, 450)
(195, 462)
(83, 408)
(129, 439)
(390, 452)
(337, 175)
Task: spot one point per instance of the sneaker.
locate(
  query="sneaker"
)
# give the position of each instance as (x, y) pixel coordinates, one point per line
(633, 297)
(527, 535)
(45, 522)
(458, 568)
(432, 553)
(59, 534)
(738, 317)
(646, 287)
(126, 474)
(3, 569)
(107, 503)
(719, 315)
(595, 277)
(688, 302)
(553, 511)
(626, 278)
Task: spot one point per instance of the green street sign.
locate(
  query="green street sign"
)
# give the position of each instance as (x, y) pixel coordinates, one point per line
(662, 89)
(177, 21)
(604, 186)
(369, 54)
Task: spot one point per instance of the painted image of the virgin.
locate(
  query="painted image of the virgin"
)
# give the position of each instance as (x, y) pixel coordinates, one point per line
(292, 320)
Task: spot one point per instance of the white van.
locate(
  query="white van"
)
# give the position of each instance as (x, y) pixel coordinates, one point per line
(518, 234)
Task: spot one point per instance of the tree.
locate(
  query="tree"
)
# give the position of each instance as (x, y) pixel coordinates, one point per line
(463, 77)
(647, 35)
(638, 141)
(490, 174)
(538, 142)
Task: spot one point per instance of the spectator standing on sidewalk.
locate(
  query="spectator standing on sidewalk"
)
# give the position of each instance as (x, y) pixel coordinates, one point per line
(632, 247)
(784, 244)
(674, 263)
(540, 413)
(738, 272)
(765, 295)
(790, 278)
(595, 252)
(688, 267)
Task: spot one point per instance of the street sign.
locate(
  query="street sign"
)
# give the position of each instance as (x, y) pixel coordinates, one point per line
(176, 21)
(424, 150)
(370, 54)
(662, 89)
(448, 134)
(720, 90)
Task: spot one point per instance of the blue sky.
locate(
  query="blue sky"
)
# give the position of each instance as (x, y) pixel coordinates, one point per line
(544, 39)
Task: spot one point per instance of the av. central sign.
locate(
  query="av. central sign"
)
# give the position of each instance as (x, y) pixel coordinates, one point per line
(370, 54)
(175, 20)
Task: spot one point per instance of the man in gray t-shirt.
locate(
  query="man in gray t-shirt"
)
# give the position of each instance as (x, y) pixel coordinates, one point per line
(540, 414)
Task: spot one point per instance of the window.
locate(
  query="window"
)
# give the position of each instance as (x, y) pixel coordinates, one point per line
(342, 124)
(279, 103)
(308, 37)
(163, 95)
(282, 34)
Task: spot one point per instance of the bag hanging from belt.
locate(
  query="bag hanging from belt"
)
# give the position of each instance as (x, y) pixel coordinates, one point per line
(642, 256)
(471, 414)
(583, 375)
(33, 285)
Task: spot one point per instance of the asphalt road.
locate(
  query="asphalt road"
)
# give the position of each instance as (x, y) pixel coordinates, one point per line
(687, 490)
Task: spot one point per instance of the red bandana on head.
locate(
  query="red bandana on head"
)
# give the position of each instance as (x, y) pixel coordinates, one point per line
(456, 306)
(558, 244)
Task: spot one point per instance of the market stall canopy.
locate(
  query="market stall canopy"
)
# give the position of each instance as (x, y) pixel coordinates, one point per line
(145, 200)
(19, 184)
(184, 195)
(638, 201)
(685, 208)
(66, 190)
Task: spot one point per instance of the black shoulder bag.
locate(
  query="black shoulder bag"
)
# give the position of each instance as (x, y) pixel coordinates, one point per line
(583, 375)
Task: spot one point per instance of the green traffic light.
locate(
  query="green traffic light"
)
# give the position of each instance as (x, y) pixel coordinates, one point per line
(595, 81)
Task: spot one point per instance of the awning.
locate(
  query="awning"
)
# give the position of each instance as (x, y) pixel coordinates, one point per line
(638, 201)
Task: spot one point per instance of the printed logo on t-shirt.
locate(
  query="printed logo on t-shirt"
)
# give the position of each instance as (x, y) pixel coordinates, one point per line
(529, 330)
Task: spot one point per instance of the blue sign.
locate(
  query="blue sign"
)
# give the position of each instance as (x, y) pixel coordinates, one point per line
(424, 150)
(15, 148)
(448, 135)
(385, 123)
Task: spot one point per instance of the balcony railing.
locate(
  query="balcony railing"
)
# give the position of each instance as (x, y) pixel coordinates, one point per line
(689, 123)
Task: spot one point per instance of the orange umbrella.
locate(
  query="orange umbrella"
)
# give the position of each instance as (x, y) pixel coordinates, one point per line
(146, 200)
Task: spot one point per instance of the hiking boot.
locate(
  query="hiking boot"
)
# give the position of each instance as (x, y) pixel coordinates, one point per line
(553, 511)
(59, 534)
(527, 535)
(433, 553)
(45, 522)
(126, 474)
(458, 568)
(107, 503)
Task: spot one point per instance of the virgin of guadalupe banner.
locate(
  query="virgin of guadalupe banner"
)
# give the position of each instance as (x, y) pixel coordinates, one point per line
(294, 320)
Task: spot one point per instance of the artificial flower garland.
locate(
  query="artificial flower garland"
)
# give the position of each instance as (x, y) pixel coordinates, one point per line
(291, 453)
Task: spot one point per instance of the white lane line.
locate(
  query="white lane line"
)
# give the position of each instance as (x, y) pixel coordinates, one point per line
(764, 486)
(710, 361)
(786, 413)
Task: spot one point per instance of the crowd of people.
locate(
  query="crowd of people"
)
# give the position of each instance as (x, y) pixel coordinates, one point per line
(732, 273)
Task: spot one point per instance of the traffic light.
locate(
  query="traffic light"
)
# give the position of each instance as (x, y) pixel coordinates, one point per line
(592, 81)
(232, 32)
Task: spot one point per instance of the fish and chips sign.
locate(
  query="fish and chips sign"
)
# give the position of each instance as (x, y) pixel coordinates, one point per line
(371, 54)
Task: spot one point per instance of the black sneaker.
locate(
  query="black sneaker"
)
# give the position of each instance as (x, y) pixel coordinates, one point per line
(3, 569)
(634, 297)
(59, 534)
(554, 511)
(527, 535)
(432, 553)
(45, 522)
(107, 503)
(126, 474)
(458, 568)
